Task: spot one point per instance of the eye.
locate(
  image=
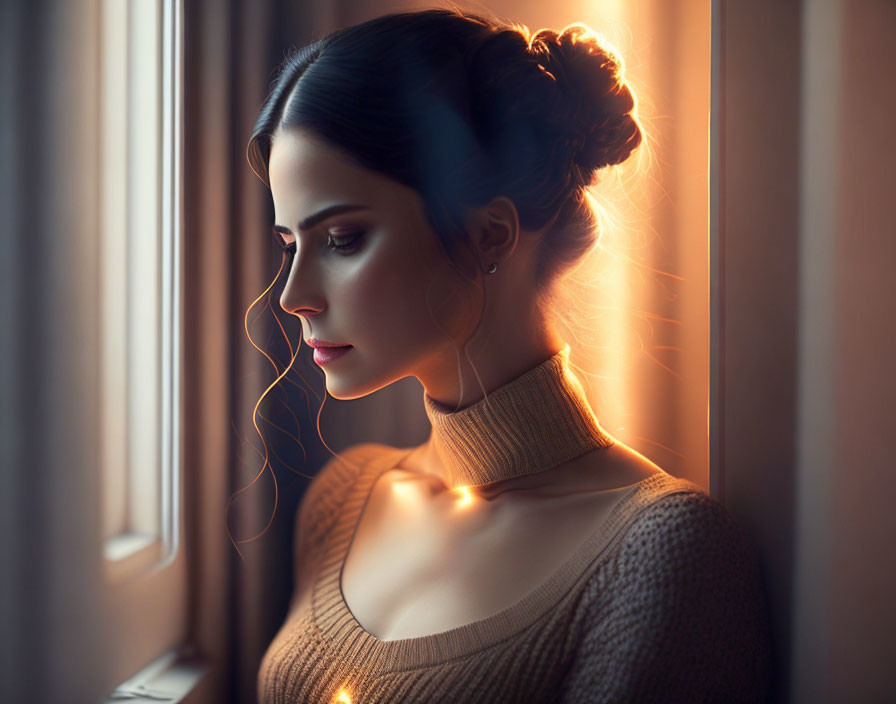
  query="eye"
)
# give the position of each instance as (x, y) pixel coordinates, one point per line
(345, 245)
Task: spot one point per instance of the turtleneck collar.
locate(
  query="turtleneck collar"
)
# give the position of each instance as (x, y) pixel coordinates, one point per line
(530, 424)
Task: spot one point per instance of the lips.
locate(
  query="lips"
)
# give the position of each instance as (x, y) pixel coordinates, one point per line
(323, 355)
(314, 342)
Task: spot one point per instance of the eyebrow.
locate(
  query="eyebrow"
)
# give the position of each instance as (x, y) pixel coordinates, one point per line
(322, 215)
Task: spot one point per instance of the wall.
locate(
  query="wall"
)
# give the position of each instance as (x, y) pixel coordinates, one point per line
(845, 620)
(803, 177)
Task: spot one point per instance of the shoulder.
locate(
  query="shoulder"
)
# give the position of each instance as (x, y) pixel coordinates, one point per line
(683, 545)
(682, 528)
(323, 499)
(341, 470)
(678, 612)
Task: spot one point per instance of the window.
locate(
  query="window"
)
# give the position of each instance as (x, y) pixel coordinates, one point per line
(140, 247)
(140, 262)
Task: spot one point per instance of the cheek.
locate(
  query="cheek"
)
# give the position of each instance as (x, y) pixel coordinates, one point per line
(390, 287)
(390, 292)
(406, 294)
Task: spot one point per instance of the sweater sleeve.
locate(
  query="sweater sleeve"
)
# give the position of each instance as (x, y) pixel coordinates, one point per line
(679, 614)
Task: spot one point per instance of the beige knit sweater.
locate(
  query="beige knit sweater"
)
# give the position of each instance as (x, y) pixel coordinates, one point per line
(664, 603)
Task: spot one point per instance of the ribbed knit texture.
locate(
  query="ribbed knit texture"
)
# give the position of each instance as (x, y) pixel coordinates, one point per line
(530, 424)
(663, 603)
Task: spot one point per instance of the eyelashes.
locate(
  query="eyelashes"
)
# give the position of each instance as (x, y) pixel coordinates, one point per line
(343, 246)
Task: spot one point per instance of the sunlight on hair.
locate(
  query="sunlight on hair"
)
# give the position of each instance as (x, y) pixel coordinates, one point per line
(602, 302)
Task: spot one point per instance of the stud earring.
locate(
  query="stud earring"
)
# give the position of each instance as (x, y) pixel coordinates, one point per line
(493, 268)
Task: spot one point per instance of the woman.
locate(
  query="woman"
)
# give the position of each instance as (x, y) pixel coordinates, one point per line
(429, 174)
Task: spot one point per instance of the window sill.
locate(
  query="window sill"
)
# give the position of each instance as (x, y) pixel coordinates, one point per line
(170, 679)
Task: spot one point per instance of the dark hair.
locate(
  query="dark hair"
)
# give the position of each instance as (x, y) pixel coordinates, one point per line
(464, 109)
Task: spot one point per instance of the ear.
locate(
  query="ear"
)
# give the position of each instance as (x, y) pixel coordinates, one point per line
(498, 231)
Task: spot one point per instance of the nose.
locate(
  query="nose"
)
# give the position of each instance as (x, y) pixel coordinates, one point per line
(302, 294)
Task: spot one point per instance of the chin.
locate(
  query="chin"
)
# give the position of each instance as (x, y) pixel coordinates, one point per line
(345, 390)
(349, 384)
(339, 395)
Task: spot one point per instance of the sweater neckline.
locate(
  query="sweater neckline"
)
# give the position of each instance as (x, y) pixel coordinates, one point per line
(534, 422)
(336, 621)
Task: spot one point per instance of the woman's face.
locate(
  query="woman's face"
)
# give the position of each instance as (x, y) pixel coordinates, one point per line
(388, 291)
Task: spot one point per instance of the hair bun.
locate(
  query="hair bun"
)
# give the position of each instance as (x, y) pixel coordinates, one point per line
(598, 116)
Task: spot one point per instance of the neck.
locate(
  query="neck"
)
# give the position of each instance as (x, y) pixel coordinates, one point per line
(530, 424)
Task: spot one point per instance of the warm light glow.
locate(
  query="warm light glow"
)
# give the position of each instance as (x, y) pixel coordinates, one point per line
(402, 488)
(465, 496)
(620, 307)
(343, 697)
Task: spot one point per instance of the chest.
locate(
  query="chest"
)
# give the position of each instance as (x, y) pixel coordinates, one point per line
(423, 561)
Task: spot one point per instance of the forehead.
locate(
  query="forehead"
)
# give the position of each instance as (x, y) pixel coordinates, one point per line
(306, 173)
